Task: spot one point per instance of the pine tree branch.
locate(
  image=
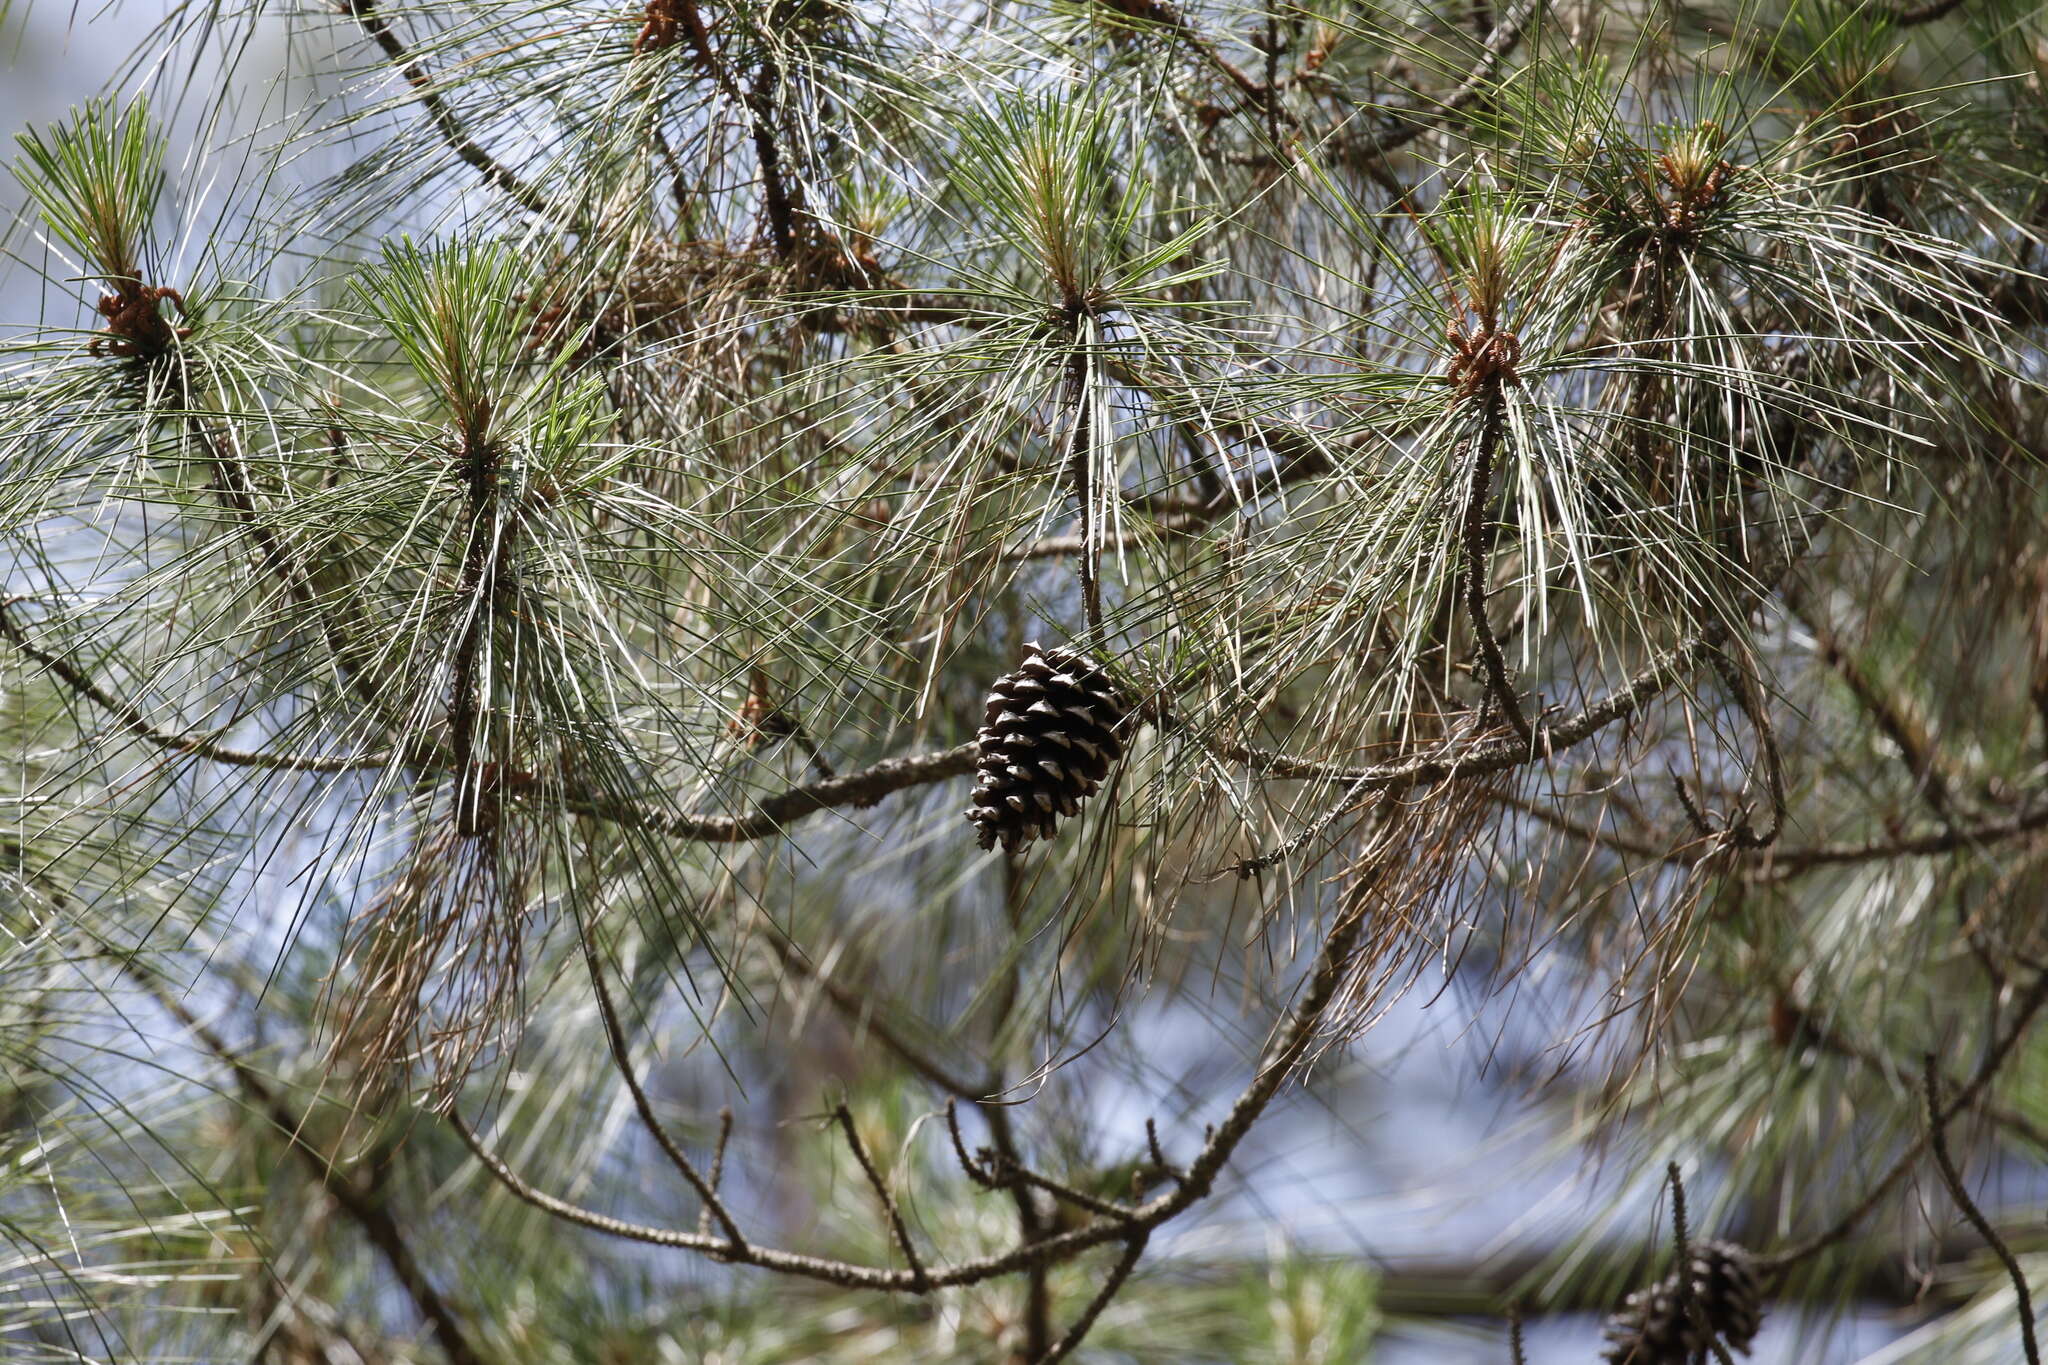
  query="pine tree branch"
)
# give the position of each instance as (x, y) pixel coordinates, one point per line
(898, 1229)
(1112, 1285)
(1949, 839)
(1782, 862)
(131, 719)
(1482, 757)
(450, 127)
(774, 814)
(1081, 478)
(360, 1200)
(1002, 1172)
(781, 203)
(1478, 561)
(1333, 960)
(1831, 1039)
(622, 1062)
(274, 554)
(487, 545)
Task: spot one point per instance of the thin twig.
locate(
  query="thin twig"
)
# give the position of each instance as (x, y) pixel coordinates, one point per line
(1052, 1250)
(1344, 805)
(1499, 755)
(1081, 477)
(622, 1062)
(1159, 1161)
(1950, 840)
(131, 718)
(1937, 1137)
(1125, 1264)
(782, 204)
(1694, 816)
(772, 815)
(1687, 1301)
(1781, 862)
(897, 1228)
(717, 1164)
(1687, 1293)
(1003, 1172)
(488, 544)
(1478, 560)
(968, 1164)
(1482, 757)
(1032, 1224)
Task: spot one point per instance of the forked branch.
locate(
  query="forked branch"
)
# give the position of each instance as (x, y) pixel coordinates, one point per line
(898, 1229)
(1332, 962)
(706, 1190)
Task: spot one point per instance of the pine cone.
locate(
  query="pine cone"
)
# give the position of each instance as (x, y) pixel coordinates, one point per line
(1648, 1329)
(1047, 741)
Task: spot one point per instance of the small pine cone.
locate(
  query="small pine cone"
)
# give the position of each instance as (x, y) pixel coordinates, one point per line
(1047, 741)
(1649, 1329)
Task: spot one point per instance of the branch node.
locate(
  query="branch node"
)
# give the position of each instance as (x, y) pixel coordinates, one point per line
(968, 1164)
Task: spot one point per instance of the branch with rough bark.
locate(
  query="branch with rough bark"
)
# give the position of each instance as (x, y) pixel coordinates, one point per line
(1128, 1228)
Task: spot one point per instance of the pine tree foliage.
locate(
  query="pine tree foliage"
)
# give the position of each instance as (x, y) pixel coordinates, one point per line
(508, 557)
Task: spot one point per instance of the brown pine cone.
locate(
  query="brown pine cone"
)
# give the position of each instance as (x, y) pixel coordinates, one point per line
(1047, 742)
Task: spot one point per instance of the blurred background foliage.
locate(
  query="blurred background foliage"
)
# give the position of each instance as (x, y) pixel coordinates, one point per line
(512, 512)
